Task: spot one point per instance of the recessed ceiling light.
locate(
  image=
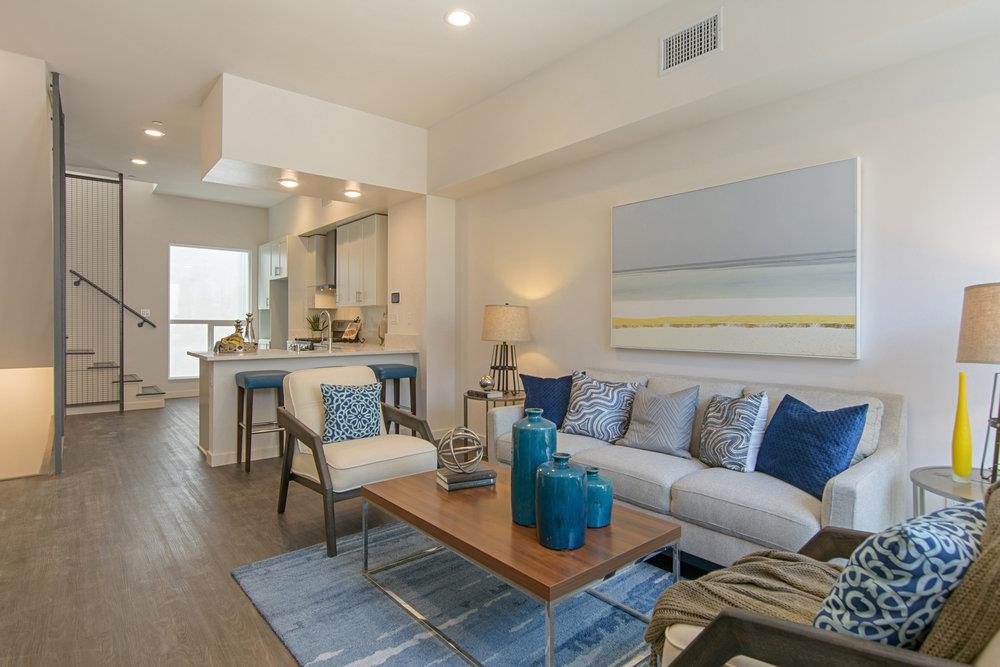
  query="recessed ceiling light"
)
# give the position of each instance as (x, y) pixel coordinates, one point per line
(288, 183)
(150, 132)
(458, 18)
(139, 161)
(353, 194)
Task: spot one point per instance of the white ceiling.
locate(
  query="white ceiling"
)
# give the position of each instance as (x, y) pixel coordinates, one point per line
(126, 63)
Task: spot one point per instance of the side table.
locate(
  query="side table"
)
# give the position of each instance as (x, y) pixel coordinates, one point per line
(937, 480)
(514, 398)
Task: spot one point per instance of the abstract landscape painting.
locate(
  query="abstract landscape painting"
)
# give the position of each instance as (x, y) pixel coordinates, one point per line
(764, 266)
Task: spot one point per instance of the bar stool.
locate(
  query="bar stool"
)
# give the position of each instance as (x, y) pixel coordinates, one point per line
(246, 383)
(396, 372)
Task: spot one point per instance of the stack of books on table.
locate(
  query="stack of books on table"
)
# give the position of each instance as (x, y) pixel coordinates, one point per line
(489, 394)
(452, 481)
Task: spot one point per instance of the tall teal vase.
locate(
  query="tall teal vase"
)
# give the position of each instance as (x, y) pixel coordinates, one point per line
(599, 499)
(561, 501)
(534, 444)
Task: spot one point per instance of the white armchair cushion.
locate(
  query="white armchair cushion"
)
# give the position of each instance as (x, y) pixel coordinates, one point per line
(354, 463)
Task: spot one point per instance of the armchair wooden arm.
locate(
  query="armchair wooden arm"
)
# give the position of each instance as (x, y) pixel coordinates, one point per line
(832, 542)
(420, 427)
(736, 632)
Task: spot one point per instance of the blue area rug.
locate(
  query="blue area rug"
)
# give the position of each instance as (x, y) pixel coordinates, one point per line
(327, 613)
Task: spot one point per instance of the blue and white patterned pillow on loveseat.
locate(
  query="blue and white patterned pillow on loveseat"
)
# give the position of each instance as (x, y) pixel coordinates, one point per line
(599, 409)
(352, 411)
(897, 581)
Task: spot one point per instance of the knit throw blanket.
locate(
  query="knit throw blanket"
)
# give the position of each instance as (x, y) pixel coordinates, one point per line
(971, 616)
(776, 583)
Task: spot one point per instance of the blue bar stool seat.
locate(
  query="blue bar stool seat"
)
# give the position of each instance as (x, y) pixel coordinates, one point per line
(246, 383)
(396, 372)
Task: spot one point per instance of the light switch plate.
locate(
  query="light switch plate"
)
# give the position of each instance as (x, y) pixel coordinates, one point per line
(144, 312)
(393, 318)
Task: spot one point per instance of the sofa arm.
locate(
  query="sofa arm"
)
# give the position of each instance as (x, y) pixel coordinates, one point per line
(500, 421)
(861, 497)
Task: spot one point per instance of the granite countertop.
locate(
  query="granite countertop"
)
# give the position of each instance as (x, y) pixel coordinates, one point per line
(339, 350)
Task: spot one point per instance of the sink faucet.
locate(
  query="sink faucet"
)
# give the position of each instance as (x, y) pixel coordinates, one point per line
(329, 329)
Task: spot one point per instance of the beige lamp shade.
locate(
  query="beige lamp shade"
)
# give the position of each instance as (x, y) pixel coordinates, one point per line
(506, 323)
(979, 337)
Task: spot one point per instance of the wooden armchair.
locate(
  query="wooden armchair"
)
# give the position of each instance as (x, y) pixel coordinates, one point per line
(338, 470)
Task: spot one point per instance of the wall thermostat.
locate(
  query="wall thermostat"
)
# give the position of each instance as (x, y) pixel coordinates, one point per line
(394, 297)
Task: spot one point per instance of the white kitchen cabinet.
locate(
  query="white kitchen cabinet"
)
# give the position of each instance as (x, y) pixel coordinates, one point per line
(279, 259)
(264, 277)
(362, 248)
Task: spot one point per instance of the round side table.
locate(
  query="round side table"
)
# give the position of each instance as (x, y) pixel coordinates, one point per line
(937, 480)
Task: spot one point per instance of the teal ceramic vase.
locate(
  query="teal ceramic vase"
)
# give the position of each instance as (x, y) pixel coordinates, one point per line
(534, 443)
(599, 497)
(561, 504)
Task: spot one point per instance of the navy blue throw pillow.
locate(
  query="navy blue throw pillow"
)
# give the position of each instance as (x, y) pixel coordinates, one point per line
(549, 394)
(807, 448)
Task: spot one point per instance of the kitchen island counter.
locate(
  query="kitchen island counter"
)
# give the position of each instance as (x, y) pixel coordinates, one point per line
(217, 390)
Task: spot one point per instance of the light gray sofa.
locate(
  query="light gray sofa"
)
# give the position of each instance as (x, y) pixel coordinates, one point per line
(726, 514)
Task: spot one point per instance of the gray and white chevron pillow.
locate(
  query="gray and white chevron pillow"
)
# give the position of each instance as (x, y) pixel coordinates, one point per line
(599, 409)
(732, 431)
(662, 423)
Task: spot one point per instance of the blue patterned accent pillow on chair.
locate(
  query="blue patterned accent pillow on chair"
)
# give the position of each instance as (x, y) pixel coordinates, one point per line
(549, 394)
(896, 582)
(599, 409)
(807, 448)
(352, 411)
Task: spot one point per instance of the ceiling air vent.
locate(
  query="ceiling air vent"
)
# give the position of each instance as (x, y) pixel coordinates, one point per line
(691, 43)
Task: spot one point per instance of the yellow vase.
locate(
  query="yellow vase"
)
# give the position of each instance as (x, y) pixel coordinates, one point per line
(961, 438)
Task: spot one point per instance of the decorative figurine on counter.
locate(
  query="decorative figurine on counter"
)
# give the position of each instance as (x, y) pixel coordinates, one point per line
(234, 343)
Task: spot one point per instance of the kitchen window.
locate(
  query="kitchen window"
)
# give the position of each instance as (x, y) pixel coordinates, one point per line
(209, 290)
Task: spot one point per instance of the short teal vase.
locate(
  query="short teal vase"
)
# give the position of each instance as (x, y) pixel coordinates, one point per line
(534, 441)
(561, 504)
(599, 497)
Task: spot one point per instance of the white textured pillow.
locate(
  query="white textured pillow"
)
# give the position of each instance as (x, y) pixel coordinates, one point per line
(662, 423)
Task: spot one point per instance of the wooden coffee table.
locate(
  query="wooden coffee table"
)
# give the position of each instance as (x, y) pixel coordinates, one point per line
(476, 524)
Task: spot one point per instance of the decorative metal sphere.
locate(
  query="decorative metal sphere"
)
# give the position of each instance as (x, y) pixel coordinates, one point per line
(486, 382)
(460, 450)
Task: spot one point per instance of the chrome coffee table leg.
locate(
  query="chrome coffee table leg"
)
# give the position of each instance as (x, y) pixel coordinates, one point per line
(550, 639)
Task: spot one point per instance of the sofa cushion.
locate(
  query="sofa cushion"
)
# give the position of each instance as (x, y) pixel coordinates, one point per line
(565, 442)
(355, 462)
(733, 431)
(897, 581)
(662, 423)
(824, 400)
(550, 395)
(668, 384)
(598, 408)
(751, 506)
(807, 448)
(639, 477)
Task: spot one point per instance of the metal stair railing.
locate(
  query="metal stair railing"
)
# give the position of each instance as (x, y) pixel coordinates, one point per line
(78, 278)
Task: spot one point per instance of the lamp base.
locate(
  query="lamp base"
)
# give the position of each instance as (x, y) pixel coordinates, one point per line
(990, 474)
(503, 368)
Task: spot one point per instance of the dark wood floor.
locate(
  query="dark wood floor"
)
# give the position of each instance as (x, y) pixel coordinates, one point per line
(125, 557)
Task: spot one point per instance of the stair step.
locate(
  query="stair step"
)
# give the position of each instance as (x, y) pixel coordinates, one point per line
(79, 350)
(131, 377)
(151, 390)
(102, 365)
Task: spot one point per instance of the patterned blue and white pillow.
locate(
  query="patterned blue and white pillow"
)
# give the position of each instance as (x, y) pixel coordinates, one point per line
(732, 431)
(896, 582)
(352, 411)
(599, 409)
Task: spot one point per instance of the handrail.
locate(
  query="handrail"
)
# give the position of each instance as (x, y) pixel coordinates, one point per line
(80, 277)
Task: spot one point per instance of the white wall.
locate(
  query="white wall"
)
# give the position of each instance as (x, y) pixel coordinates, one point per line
(152, 223)
(26, 253)
(926, 132)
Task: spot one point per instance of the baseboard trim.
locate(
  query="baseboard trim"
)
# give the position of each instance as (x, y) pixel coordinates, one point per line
(216, 459)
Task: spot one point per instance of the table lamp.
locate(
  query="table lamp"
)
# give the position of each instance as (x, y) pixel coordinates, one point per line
(504, 325)
(979, 343)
